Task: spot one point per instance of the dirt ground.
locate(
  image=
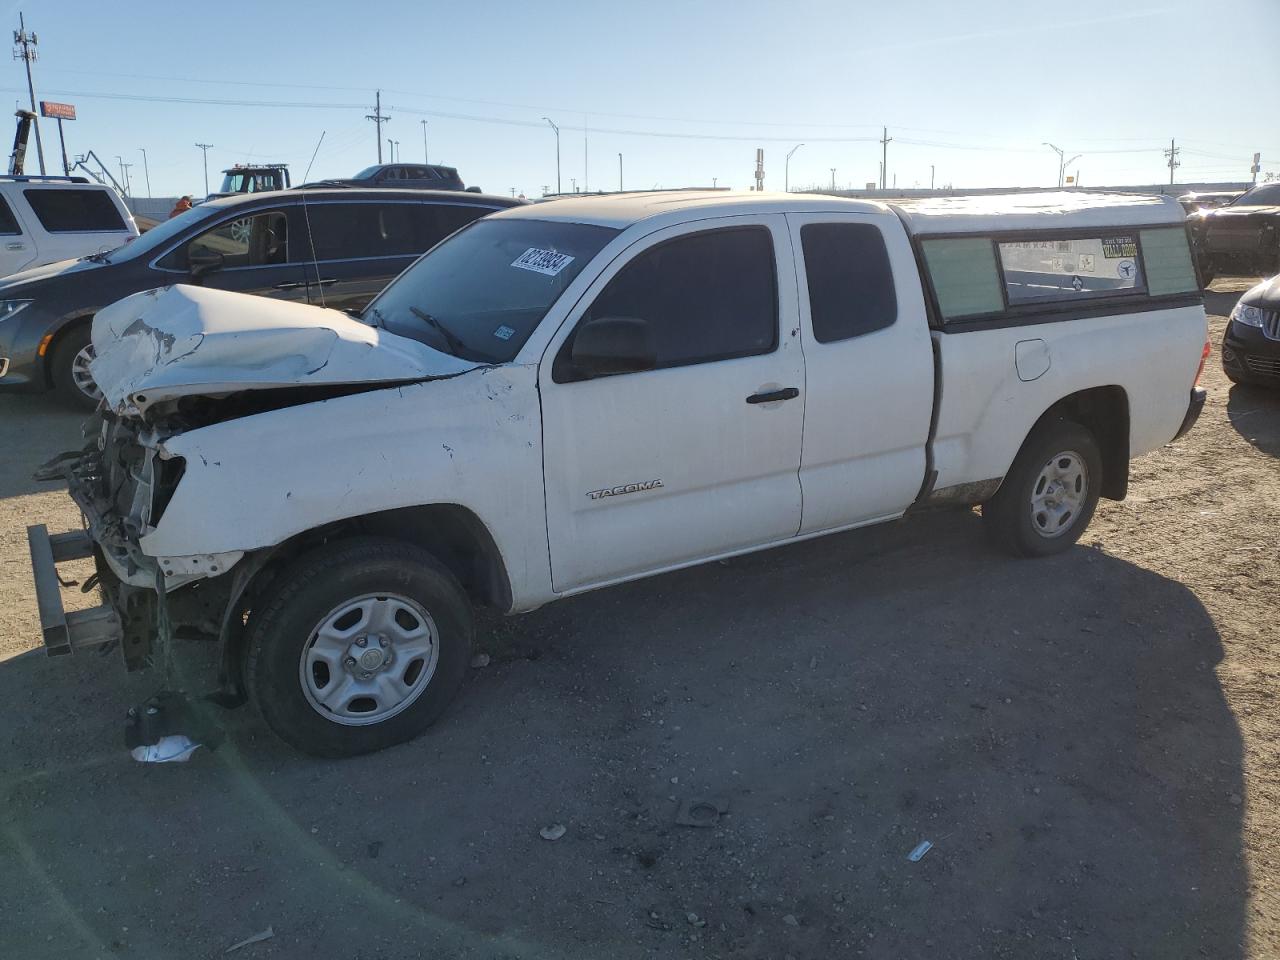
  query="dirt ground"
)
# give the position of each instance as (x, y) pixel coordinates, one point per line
(1090, 743)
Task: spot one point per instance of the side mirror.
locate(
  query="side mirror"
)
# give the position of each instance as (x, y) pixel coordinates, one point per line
(203, 263)
(609, 345)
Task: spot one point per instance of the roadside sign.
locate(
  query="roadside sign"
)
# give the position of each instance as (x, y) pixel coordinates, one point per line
(59, 111)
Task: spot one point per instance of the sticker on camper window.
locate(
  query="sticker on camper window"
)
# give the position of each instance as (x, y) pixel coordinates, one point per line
(546, 262)
(1117, 248)
(504, 332)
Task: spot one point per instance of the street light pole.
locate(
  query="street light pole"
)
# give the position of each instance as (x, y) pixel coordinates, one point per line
(833, 178)
(786, 169)
(426, 158)
(146, 170)
(557, 130)
(1061, 153)
(619, 173)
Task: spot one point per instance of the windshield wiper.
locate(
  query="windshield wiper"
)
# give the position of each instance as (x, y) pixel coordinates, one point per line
(451, 339)
(97, 257)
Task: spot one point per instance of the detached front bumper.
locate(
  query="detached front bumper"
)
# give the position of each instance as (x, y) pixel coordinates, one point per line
(64, 632)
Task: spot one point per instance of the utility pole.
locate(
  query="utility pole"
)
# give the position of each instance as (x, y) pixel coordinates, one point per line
(378, 119)
(619, 173)
(1174, 162)
(833, 178)
(25, 49)
(146, 170)
(931, 176)
(885, 140)
(205, 147)
(786, 169)
(426, 157)
(586, 180)
(557, 130)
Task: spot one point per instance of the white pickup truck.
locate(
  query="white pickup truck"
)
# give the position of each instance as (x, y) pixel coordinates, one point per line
(567, 395)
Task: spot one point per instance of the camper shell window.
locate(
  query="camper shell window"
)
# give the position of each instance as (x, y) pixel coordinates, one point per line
(1047, 275)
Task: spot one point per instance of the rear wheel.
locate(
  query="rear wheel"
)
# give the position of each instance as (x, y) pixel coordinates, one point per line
(1049, 495)
(69, 367)
(358, 646)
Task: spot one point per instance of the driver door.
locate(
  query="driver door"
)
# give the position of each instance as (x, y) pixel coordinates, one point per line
(699, 456)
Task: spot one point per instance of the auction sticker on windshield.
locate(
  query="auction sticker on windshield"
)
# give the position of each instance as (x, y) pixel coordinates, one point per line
(546, 262)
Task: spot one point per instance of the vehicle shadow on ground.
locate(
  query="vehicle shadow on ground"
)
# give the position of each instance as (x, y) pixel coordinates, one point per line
(32, 430)
(1055, 728)
(1254, 412)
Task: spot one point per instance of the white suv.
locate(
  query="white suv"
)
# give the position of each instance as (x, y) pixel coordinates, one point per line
(46, 219)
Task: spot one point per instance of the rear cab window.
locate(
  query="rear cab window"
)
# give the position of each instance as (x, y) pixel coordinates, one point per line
(850, 280)
(74, 210)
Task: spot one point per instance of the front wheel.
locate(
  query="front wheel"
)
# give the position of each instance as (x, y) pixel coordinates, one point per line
(358, 646)
(1049, 495)
(69, 369)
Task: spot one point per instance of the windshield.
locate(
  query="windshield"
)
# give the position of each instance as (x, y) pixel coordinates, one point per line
(1267, 195)
(159, 235)
(480, 293)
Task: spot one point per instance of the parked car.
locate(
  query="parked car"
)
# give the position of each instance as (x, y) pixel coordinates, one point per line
(581, 392)
(44, 219)
(331, 247)
(1251, 343)
(1241, 237)
(419, 176)
(1207, 199)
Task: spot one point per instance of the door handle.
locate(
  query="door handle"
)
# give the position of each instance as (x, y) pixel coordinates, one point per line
(786, 393)
(290, 286)
(15, 246)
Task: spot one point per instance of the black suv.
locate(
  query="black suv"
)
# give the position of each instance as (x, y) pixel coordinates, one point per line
(337, 247)
(1251, 343)
(416, 176)
(1242, 237)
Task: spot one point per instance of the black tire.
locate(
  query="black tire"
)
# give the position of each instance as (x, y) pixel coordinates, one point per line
(1009, 516)
(60, 367)
(284, 621)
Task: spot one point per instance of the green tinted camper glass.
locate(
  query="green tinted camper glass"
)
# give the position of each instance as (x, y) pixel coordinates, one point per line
(964, 277)
(1167, 258)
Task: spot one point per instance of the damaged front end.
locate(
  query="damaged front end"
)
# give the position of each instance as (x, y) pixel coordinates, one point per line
(122, 481)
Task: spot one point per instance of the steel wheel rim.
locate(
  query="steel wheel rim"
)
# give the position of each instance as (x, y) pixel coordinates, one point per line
(1059, 494)
(80, 375)
(369, 659)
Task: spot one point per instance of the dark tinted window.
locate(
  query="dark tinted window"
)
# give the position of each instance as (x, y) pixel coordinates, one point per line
(8, 222)
(709, 296)
(1267, 195)
(345, 231)
(850, 281)
(70, 210)
(254, 241)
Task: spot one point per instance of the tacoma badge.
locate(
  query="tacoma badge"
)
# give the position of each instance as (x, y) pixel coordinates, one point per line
(625, 488)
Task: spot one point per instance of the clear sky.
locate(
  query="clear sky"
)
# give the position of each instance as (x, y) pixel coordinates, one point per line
(686, 92)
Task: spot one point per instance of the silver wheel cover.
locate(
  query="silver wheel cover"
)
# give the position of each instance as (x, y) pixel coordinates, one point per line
(368, 659)
(1059, 494)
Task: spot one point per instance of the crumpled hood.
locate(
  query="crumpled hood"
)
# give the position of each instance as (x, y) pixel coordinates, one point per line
(186, 341)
